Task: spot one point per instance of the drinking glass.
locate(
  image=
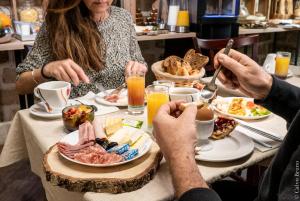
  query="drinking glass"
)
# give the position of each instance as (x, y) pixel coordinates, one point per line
(282, 64)
(157, 95)
(136, 92)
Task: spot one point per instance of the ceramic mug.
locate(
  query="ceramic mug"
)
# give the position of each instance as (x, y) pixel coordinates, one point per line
(54, 95)
(184, 93)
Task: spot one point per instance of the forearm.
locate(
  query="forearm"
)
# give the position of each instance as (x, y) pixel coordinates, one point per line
(28, 81)
(185, 173)
(283, 99)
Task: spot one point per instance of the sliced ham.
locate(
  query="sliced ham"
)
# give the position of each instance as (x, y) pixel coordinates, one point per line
(97, 155)
(112, 98)
(86, 150)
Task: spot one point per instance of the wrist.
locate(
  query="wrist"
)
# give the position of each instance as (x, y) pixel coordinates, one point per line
(266, 87)
(44, 72)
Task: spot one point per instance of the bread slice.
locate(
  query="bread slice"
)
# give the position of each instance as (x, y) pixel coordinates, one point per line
(189, 55)
(223, 127)
(112, 125)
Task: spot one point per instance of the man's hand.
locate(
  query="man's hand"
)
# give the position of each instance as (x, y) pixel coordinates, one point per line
(244, 74)
(176, 135)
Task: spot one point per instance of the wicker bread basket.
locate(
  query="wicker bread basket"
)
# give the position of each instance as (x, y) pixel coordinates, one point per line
(159, 73)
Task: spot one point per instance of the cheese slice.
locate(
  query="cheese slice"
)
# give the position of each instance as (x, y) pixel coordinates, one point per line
(126, 135)
(112, 125)
(119, 136)
(141, 142)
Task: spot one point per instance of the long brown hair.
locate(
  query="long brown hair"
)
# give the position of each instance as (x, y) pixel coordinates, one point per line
(73, 34)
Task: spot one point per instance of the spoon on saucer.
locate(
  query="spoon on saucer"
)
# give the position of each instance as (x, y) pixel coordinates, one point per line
(209, 91)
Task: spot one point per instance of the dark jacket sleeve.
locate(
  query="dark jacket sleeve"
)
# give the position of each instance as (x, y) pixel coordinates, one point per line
(200, 194)
(283, 99)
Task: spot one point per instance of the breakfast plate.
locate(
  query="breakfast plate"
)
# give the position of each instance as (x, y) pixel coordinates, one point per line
(121, 102)
(240, 108)
(233, 147)
(73, 138)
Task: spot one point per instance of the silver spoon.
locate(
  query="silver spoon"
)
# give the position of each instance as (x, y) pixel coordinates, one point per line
(209, 91)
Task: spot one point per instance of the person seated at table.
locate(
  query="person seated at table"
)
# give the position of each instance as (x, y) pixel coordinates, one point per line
(176, 136)
(82, 42)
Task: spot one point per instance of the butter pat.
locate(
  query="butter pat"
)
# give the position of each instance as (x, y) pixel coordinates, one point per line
(133, 123)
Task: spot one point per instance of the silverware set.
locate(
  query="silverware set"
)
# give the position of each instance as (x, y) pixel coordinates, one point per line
(260, 132)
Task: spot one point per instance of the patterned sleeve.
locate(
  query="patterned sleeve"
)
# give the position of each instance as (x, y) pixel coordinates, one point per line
(39, 55)
(135, 51)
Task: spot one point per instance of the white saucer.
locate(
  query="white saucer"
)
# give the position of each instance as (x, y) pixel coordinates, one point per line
(39, 111)
(236, 146)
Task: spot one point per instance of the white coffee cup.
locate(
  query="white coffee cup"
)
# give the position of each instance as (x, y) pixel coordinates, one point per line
(187, 94)
(204, 131)
(54, 95)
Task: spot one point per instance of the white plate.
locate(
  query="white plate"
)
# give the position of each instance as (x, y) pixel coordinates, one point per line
(234, 147)
(122, 102)
(73, 138)
(221, 105)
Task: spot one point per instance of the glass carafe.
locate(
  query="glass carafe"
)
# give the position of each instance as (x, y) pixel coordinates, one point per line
(173, 14)
(183, 18)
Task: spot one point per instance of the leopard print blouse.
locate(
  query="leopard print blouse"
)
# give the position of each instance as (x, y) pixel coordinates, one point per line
(119, 46)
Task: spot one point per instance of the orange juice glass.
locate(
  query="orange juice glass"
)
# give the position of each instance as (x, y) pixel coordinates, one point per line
(157, 95)
(136, 93)
(183, 18)
(282, 64)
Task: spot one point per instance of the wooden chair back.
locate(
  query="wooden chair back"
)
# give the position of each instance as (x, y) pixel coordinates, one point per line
(212, 46)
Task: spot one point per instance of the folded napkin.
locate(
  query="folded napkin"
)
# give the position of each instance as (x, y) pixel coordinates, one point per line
(258, 137)
(89, 99)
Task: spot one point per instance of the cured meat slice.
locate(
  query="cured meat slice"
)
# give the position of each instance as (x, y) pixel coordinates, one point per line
(113, 98)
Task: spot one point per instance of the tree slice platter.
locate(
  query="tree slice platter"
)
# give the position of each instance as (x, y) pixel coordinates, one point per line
(117, 179)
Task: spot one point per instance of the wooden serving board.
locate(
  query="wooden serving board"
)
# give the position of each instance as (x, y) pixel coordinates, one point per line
(118, 179)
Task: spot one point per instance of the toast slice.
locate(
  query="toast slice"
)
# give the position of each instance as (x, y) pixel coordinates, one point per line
(223, 127)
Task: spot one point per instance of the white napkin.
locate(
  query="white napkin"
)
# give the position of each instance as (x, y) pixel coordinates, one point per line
(258, 137)
(89, 99)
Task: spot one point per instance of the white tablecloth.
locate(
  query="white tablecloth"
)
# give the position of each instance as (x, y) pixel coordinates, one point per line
(31, 136)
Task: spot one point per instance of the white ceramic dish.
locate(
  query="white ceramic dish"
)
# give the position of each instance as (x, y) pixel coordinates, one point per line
(221, 104)
(73, 138)
(234, 147)
(122, 102)
(39, 111)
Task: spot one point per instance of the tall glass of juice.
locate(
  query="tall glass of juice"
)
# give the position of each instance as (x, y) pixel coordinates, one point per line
(157, 95)
(136, 92)
(282, 64)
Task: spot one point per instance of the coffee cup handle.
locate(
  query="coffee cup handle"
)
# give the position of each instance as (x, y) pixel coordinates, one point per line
(37, 92)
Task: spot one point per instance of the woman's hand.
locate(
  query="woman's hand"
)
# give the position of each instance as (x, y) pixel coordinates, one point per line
(66, 70)
(175, 136)
(244, 74)
(134, 67)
